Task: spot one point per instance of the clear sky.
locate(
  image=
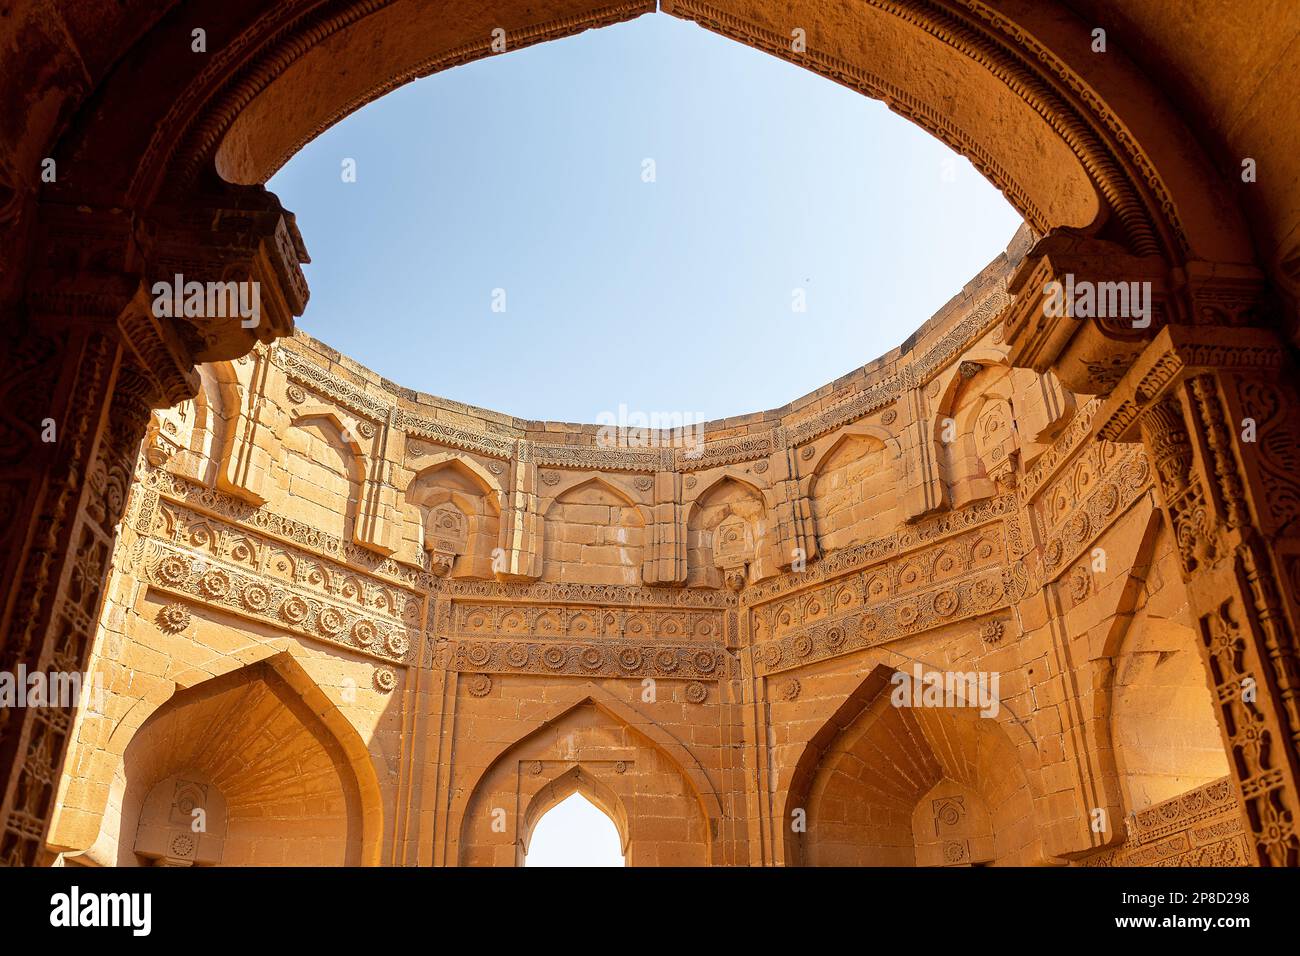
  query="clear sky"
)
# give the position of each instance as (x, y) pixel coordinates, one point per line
(574, 832)
(525, 172)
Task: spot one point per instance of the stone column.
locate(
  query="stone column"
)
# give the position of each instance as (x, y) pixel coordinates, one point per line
(64, 499)
(1219, 413)
(87, 356)
(1200, 377)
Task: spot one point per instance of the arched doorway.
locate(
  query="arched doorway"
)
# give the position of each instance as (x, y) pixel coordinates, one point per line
(575, 820)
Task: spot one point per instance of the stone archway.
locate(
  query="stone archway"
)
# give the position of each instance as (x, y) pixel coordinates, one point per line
(249, 751)
(883, 785)
(663, 804)
(1116, 182)
(571, 781)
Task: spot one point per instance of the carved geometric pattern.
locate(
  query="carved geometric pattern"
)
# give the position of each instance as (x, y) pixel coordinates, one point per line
(1203, 827)
(182, 573)
(864, 555)
(883, 622)
(698, 662)
(585, 623)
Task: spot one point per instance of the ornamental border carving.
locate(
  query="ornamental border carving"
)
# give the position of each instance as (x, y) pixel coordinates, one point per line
(1202, 827)
(542, 622)
(559, 593)
(1085, 523)
(176, 572)
(157, 483)
(862, 401)
(916, 613)
(176, 525)
(1060, 453)
(698, 662)
(304, 372)
(900, 542)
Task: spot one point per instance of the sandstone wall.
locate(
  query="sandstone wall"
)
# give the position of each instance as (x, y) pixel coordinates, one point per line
(453, 619)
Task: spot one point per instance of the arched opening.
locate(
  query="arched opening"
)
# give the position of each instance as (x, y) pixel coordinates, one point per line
(883, 784)
(241, 771)
(660, 801)
(1072, 145)
(575, 833)
(575, 820)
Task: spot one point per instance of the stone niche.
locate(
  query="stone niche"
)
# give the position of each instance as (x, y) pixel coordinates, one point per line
(183, 823)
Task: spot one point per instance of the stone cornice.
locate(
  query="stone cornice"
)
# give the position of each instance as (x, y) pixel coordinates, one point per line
(793, 431)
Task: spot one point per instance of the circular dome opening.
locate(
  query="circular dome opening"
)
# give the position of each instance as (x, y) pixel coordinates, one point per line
(646, 219)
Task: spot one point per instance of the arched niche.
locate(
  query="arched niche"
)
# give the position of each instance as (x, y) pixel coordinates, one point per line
(453, 512)
(975, 430)
(857, 795)
(323, 463)
(728, 535)
(251, 739)
(854, 487)
(594, 534)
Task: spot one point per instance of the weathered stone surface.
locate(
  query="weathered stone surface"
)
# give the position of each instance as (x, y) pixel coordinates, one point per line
(440, 612)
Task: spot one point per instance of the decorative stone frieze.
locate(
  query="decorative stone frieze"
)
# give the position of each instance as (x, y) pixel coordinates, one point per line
(183, 574)
(596, 659)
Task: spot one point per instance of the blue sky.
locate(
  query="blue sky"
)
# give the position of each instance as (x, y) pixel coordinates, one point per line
(525, 172)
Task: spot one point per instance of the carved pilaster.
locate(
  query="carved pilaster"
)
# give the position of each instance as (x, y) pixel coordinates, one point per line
(925, 491)
(76, 491)
(1222, 426)
(667, 562)
(246, 458)
(521, 525)
(378, 525)
(796, 527)
(86, 359)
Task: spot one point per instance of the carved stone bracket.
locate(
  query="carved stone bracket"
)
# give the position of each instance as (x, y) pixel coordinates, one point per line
(1084, 309)
(243, 235)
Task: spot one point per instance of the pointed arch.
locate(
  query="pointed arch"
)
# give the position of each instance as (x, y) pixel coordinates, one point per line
(697, 790)
(347, 431)
(985, 357)
(916, 747)
(842, 437)
(571, 483)
(761, 489)
(468, 468)
(560, 788)
(289, 691)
